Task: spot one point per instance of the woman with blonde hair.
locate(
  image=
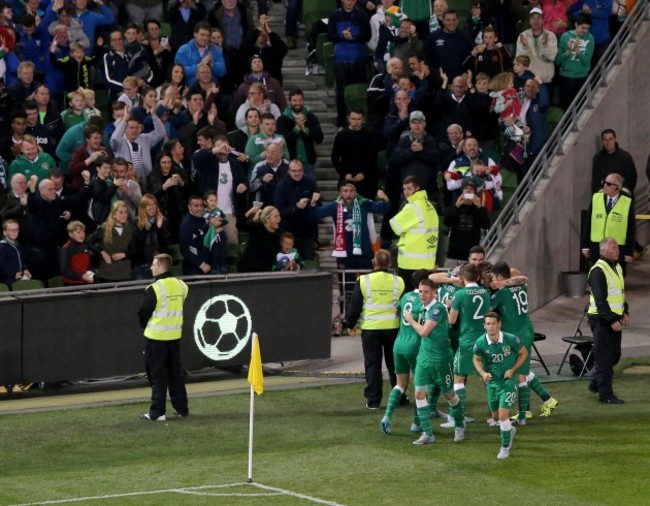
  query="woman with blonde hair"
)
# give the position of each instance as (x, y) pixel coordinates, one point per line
(115, 239)
(263, 245)
(151, 236)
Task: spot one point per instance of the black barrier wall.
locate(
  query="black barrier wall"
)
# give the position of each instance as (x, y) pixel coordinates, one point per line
(56, 335)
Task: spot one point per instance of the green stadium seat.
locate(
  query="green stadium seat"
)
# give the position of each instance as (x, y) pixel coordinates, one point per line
(27, 284)
(553, 117)
(356, 96)
(321, 40)
(328, 58)
(55, 282)
(314, 10)
(174, 251)
(3, 287)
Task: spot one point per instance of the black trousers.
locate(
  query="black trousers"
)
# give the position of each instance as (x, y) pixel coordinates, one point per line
(163, 363)
(376, 343)
(607, 353)
(347, 73)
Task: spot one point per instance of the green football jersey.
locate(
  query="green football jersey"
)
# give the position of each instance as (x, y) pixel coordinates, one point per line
(436, 345)
(512, 304)
(500, 356)
(446, 293)
(471, 302)
(408, 340)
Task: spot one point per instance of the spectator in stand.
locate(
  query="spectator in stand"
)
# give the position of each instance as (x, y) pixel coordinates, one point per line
(599, 12)
(136, 54)
(115, 240)
(257, 99)
(11, 144)
(196, 257)
(301, 129)
(116, 65)
(420, 12)
(55, 79)
(192, 118)
(256, 145)
(267, 173)
(555, 16)
(348, 28)
(611, 158)
(466, 219)
(447, 47)
(15, 207)
(128, 189)
(381, 90)
(540, 45)
(32, 162)
(47, 114)
(522, 74)
(268, 45)
(131, 92)
(75, 257)
(47, 217)
(180, 162)
(24, 88)
(129, 143)
(29, 42)
(294, 196)
(386, 15)
(534, 107)
(263, 244)
(486, 123)
(416, 154)
(213, 97)
(74, 138)
(152, 236)
(458, 105)
(272, 87)
(12, 263)
(250, 129)
(490, 57)
(218, 169)
(159, 53)
(235, 19)
(79, 68)
(395, 124)
(86, 157)
(63, 14)
(354, 156)
(461, 165)
(573, 58)
(74, 114)
(200, 50)
(102, 191)
(40, 132)
(476, 23)
(91, 20)
(183, 17)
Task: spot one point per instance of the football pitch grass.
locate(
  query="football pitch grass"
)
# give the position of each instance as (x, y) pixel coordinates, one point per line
(319, 445)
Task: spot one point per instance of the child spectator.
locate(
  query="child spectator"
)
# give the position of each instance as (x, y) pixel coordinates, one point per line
(79, 68)
(487, 183)
(486, 122)
(506, 104)
(215, 237)
(574, 59)
(490, 57)
(102, 190)
(415, 92)
(89, 98)
(477, 23)
(75, 257)
(522, 74)
(131, 96)
(12, 265)
(28, 45)
(287, 258)
(74, 114)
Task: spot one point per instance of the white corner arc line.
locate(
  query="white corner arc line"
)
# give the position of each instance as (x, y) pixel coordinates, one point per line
(295, 494)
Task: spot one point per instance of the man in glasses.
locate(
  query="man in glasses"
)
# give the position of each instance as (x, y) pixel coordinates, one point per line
(611, 214)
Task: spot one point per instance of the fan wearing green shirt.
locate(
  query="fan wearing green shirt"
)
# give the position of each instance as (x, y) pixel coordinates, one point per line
(434, 361)
(511, 302)
(497, 357)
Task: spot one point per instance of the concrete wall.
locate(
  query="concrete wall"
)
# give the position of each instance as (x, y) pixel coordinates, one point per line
(548, 241)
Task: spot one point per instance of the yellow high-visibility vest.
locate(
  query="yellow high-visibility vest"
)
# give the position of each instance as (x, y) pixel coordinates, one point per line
(381, 292)
(615, 288)
(612, 224)
(417, 227)
(166, 322)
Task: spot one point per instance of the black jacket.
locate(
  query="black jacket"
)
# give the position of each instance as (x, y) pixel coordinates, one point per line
(285, 127)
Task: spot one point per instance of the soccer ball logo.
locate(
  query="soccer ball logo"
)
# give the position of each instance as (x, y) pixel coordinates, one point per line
(222, 327)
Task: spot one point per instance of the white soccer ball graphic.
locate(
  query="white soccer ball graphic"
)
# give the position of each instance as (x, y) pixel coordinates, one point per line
(222, 327)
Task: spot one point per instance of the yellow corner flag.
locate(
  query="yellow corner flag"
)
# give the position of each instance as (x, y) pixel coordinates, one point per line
(255, 374)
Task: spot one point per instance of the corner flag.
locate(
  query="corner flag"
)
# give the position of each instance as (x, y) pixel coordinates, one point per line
(255, 374)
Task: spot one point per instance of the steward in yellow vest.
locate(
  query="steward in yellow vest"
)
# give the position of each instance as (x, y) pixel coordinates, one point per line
(161, 317)
(607, 316)
(611, 214)
(417, 227)
(374, 302)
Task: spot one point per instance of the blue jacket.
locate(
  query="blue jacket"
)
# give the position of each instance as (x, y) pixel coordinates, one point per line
(188, 57)
(90, 20)
(600, 12)
(349, 50)
(536, 120)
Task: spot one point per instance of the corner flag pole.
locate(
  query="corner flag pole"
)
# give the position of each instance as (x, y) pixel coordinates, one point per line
(256, 380)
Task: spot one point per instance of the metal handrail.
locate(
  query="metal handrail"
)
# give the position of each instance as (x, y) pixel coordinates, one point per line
(525, 192)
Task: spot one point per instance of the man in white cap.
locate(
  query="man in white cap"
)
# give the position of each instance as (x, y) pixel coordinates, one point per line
(540, 45)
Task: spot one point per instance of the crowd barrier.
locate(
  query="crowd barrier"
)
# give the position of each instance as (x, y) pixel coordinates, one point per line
(67, 334)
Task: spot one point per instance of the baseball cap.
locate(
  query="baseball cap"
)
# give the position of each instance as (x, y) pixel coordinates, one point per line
(536, 10)
(417, 116)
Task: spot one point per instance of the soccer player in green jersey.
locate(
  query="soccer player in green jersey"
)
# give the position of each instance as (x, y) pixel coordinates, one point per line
(497, 357)
(405, 352)
(511, 302)
(434, 361)
(468, 307)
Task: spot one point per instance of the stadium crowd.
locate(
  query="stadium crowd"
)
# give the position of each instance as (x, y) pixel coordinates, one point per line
(118, 143)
